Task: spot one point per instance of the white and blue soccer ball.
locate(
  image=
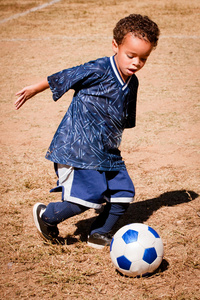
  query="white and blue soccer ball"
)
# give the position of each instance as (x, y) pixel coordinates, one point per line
(136, 250)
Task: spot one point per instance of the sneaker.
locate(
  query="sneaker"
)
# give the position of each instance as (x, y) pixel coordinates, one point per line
(47, 231)
(99, 241)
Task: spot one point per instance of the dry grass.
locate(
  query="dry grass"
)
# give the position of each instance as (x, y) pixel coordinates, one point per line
(161, 153)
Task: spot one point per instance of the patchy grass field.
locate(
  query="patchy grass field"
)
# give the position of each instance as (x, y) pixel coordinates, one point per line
(161, 153)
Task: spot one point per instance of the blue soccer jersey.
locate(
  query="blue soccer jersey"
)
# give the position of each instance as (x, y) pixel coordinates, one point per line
(103, 105)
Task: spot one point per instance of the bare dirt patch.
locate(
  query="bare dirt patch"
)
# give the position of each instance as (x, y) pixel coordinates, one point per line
(161, 153)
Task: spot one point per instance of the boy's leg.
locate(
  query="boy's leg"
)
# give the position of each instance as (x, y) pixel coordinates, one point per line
(98, 237)
(57, 212)
(47, 217)
(81, 190)
(120, 192)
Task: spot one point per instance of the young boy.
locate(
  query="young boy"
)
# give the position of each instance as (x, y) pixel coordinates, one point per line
(84, 149)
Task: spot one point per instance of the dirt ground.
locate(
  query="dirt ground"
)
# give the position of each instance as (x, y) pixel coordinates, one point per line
(161, 153)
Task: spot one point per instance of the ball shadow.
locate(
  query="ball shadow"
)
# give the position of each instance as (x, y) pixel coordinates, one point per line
(161, 269)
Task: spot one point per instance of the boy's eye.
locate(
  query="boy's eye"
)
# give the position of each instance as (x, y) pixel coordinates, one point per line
(130, 56)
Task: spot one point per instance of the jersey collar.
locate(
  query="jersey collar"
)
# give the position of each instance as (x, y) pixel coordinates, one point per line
(117, 74)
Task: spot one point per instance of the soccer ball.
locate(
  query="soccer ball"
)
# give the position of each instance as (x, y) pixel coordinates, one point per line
(136, 249)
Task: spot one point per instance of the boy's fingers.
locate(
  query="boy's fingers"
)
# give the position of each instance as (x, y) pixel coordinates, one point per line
(19, 105)
(19, 93)
(20, 101)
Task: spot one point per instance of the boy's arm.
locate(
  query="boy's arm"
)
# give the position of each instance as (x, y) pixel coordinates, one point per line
(30, 91)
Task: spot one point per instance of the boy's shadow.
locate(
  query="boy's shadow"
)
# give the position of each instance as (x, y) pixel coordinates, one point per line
(139, 212)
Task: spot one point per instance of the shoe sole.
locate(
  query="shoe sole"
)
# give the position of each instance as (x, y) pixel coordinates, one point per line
(96, 246)
(35, 207)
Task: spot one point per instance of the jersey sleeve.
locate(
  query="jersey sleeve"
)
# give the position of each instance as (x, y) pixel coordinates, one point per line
(74, 78)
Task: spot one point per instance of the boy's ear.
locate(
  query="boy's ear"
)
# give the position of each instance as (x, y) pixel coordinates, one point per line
(114, 46)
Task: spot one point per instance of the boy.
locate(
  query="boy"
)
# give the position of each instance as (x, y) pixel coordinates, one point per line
(84, 149)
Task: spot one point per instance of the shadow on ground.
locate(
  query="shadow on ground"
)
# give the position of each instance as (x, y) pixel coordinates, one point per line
(138, 212)
(161, 269)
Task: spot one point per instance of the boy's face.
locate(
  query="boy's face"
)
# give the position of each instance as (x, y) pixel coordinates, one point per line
(131, 55)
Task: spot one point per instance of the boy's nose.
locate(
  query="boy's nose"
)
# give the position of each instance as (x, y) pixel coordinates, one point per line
(136, 62)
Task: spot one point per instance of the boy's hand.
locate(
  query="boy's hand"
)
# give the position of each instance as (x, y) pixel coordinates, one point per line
(25, 94)
(30, 91)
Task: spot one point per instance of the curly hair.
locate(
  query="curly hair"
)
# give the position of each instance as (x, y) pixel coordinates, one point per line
(138, 25)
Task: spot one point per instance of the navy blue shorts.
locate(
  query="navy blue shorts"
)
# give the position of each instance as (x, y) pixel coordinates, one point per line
(91, 188)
